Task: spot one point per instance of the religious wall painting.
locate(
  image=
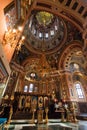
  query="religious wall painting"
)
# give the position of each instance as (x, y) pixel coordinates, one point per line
(34, 103)
(40, 102)
(10, 15)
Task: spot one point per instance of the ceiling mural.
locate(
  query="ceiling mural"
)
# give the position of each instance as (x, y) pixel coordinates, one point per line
(44, 18)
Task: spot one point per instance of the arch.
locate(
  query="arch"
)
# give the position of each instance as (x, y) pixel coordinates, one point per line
(67, 53)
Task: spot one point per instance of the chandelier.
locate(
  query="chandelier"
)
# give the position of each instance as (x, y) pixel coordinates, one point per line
(44, 18)
(13, 38)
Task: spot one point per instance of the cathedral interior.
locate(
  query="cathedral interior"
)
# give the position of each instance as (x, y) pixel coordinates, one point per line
(43, 64)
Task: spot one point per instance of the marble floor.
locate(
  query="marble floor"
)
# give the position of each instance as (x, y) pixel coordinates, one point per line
(51, 125)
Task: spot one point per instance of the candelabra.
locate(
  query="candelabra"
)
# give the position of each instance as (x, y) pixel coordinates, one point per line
(46, 118)
(13, 38)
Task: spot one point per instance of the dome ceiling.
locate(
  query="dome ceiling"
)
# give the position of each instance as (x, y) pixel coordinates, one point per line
(49, 38)
(45, 32)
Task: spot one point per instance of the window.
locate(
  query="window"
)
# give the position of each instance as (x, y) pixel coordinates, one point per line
(25, 88)
(56, 28)
(79, 90)
(68, 2)
(46, 35)
(52, 32)
(33, 75)
(75, 6)
(30, 24)
(76, 66)
(34, 31)
(40, 35)
(31, 87)
(81, 9)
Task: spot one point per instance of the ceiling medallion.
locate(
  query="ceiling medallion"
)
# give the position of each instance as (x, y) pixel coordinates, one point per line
(44, 18)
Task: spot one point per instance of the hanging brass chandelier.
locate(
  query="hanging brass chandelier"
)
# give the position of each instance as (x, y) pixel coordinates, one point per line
(13, 38)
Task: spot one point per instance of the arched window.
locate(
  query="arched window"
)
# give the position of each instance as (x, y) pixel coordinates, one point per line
(25, 88)
(31, 87)
(79, 90)
(52, 32)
